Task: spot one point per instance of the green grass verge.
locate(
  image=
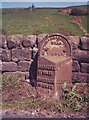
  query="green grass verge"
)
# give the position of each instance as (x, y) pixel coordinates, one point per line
(85, 23)
(20, 21)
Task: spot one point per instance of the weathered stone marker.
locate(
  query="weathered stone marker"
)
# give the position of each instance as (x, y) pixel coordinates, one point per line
(54, 63)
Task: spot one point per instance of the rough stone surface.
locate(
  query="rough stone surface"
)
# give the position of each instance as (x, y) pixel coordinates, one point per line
(9, 67)
(83, 56)
(80, 77)
(21, 54)
(84, 42)
(26, 43)
(76, 66)
(11, 44)
(80, 55)
(24, 66)
(75, 54)
(74, 41)
(6, 55)
(14, 41)
(84, 67)
(32, 39)
(41, 36)
(75, 77)
(3, 41)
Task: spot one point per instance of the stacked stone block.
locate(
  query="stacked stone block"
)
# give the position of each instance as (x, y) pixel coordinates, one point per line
(80, 55)
(16, 55)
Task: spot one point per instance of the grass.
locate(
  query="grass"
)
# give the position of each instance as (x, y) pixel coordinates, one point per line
(10, 81)
(20, 21)
(85, 23)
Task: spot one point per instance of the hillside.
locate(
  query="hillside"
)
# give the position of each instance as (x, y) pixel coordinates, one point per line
(82, 7)
(24, 21)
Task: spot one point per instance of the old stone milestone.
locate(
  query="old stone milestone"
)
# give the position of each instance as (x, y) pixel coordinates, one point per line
(54, 62)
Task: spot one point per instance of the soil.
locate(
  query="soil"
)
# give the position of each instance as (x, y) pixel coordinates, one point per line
(29, 113)
(21, 93)
(78, 20)
(14, 94)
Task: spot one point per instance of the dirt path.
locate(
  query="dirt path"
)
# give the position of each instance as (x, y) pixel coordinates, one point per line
(15, 113)
(78, 20)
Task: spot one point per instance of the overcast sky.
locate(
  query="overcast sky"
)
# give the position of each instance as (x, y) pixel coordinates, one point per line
(44, 0)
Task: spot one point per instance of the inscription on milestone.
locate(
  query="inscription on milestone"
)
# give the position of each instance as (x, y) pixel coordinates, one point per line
(55, 46)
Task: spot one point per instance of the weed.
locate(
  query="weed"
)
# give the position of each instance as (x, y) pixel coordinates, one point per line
(10, 81)
(73, 99)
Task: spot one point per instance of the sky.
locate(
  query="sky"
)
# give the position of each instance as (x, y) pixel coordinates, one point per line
(44, 0)
(40, 3)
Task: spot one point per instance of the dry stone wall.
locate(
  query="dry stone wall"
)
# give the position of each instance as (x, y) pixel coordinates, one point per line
(80, 55)
(16, 55)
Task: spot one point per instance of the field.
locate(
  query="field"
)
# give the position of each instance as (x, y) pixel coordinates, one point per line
(24, 21)
(86, 23)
